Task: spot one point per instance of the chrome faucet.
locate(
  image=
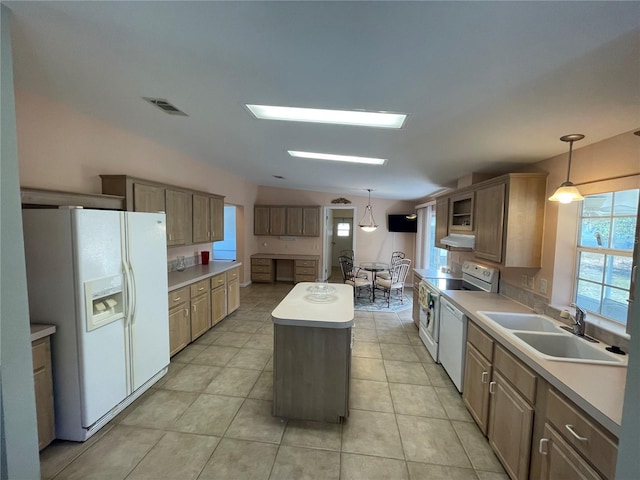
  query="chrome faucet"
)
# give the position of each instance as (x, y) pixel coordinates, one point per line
(579, 325)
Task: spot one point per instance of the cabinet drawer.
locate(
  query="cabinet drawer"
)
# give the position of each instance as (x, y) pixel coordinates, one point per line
(593, 444)
(40, 353)
(480, 340)
(520, 376)
(305, 271)
(178, 296)
(217, 281)
(306, 263)
(261, 261)
(305, 278)
(199, 288)
(232, 274)
(260, 269)
(261, 277)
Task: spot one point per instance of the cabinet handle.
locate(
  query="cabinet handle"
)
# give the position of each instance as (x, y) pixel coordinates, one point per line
(177, 299)
(492, 387)
(208, 234)
(186, 312)
(542, 442)
(200, 289)
(194, 308)
(170, 237)
(573, 432)
(485, 377)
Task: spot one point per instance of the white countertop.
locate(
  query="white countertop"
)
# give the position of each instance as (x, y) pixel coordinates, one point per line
(434, 273)
(301, 309)
(41, 330)
(597, 389)
(199, 272)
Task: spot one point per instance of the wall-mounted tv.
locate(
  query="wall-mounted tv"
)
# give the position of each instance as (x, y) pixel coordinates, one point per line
(400, 223)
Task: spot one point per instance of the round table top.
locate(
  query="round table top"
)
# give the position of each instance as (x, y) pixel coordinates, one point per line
(374, 266)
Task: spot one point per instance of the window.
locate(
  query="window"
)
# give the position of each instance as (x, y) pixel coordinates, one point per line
(427, 255)
(343, 229)
(605, 253)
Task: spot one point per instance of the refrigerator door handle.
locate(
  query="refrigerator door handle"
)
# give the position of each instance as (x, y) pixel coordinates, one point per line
(132, 276)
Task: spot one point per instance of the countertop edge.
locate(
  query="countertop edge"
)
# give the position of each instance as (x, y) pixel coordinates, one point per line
(313, 323)
(41, 330)
(579, 397)
(200, 272)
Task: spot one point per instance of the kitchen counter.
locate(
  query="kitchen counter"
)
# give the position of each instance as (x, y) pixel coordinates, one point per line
(597, 389)
(300, 308)
(435, 274)
(284, 256)
(199, 272)
(41, 330)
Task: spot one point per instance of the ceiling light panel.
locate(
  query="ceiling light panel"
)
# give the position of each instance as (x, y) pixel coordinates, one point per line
(338, 117)
(338, 158)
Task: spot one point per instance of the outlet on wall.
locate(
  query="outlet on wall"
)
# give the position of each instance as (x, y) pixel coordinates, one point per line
(543, 285)
(531, 283)
(524, 280)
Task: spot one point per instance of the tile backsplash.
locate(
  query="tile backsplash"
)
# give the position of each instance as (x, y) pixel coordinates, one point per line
(189, 261)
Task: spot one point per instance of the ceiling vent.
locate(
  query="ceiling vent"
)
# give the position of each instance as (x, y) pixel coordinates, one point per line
(165, 106)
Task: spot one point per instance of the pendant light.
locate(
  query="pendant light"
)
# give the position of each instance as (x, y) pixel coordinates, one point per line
(567, 191)
(368, 224)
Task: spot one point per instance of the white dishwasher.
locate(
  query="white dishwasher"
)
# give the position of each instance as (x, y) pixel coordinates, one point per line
(453, 336)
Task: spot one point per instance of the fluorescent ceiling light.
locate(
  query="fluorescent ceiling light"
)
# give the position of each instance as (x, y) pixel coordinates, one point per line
(340, 117)
(338, 158)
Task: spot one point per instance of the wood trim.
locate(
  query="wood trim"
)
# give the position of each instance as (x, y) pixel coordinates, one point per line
(55, 198)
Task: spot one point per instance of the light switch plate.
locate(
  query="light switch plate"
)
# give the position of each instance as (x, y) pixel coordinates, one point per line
(531, 283)
(524, 280)
(543, 285)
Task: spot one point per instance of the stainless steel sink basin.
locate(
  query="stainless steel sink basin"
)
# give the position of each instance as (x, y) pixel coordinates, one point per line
(522, 321)
(569, 348)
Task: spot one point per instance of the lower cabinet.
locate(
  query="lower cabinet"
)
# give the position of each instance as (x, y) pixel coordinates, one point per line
(179, 320)
(305, 271)
(262, 270)
(43, 384)
(200, 308)
(475, 395)
(233, 291)
(218, 298)
(560, 460)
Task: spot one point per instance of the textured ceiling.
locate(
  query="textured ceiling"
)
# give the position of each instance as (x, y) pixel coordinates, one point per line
(487, 85)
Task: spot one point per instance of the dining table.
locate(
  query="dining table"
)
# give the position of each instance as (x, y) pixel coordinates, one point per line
(374, 268)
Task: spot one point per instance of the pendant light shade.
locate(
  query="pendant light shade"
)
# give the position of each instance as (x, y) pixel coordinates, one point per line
(367, 223)
(567, 192)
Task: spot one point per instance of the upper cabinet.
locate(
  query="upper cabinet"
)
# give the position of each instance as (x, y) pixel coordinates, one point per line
(192, 216)
(461, 212)
(442, 220)
(509, 219)
(296, 221)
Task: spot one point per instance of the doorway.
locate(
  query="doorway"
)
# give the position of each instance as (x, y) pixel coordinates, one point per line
(338, 235)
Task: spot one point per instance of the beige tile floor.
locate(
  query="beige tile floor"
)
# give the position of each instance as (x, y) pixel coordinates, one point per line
(210, 416)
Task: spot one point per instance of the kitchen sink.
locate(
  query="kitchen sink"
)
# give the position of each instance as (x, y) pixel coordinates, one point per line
(522, 321)
(569, 348)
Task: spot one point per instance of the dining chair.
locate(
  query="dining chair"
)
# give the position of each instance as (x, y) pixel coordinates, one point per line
(350, 276)
(396, 281)
(395, 258)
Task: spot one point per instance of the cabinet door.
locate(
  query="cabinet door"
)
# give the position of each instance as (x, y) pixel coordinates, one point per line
(178, 207)
(560, 461)
(477, 374)
(179, 328)
(43, 384)
(233, 296)
(218, 304)
(216, 218)
(490, 204)
(442, 221)
(294, 221)
(510, 427)
(311, 221)
(461, 212)
(200, 315)
(148, 198)
(200, 228)
(261, 221)
(277, 221)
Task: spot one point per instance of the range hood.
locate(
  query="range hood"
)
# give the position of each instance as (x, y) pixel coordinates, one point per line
(459, 241)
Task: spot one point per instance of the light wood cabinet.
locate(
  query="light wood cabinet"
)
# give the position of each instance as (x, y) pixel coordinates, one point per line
(442, 220)
(561, 461)
(192, 216)
(218, 298)
(509, 219)
(233, 291)
(179, 320)
(200, 308)
(475, 395)
(286, 220)
(305, 271)
(262, 270)
(178, 209)
(461, 210)
(43, 385)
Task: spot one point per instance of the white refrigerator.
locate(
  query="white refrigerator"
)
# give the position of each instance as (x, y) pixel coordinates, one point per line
(100, 276)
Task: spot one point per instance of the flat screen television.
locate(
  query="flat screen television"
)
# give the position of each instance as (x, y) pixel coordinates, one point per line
(400, 223)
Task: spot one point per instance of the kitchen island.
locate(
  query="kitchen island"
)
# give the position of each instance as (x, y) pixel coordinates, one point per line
(312, 353)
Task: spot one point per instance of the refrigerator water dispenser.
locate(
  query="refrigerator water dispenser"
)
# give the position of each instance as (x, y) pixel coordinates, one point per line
(104, 301)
